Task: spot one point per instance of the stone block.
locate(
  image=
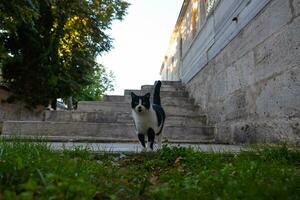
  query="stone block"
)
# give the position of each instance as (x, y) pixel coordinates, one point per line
(179, 101)
(69, 129)
(120, 117)
(279, 96)
(235, 106)
(164, 88)
(126, 107)
(186, 120)
(225, 33)
(238, 75)
(251, 88)
(93, 106)
(173, 83)
(115, 98)
(162, 93)
(267, 131)
(295, 8)
(269, 21)
(77, 116)
(223, 134)
(279, 53)
(196, 56)
(18, 111)
(109, 131)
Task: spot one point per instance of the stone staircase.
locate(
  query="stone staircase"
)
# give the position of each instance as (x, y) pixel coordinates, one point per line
(110, 120)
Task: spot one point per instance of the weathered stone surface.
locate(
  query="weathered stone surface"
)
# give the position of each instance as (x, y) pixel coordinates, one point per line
(187, 120)
(162, 94)
(115, 98)
(172, 83)
(278, 53)
(251, 89)
(295, 7)
(70, 129)
(77, 116)
(178, 101)
(116, 131)
(165, 100)
(17, 111)
(213, 32)
(111, 120)
(119, 117)
(267, 131)
(164, 88)
(279, 95)
(125, 107)
(136, 147)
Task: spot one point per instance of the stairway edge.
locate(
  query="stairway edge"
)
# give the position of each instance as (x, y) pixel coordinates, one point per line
(100, 123)
(80, 139)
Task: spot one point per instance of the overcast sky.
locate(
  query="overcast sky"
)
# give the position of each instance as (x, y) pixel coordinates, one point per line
(140, 42)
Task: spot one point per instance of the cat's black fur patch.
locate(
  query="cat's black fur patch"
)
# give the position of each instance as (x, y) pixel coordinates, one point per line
(151, 137)
(136, 99)
(156, 95)
(160, 114)
(142, 139)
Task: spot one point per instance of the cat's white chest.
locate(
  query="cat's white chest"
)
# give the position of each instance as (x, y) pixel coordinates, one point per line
(145, 121)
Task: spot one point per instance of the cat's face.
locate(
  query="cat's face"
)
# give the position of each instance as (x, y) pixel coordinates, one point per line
(140, 104)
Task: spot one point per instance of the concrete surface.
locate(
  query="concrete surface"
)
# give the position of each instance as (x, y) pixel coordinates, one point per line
(135, 147)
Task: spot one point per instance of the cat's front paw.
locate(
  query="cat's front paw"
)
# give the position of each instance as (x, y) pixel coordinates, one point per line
(144, 149)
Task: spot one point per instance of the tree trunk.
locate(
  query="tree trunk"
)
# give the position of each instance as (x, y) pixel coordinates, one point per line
(70, 103)
(54, 104)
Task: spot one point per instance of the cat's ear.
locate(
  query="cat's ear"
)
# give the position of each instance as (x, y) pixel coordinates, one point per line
(132, 95)
(147, 95)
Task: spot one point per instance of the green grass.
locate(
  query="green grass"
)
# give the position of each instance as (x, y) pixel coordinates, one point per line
(34, 171)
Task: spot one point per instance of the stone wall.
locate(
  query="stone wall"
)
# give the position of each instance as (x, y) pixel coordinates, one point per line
(17, 111)
(193, 17)
(251, 88)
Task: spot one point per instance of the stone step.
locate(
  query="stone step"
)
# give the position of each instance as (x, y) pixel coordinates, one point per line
(172, 83)
(116, 117)
(162, 93)
(165, 100)
(18, 111)
(164, 88)
(91, 106)
(116, 98)
(187, 121)
(82, 116)
(104, 131)
(178, 101)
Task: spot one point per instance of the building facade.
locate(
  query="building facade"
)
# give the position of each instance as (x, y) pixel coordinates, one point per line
(239, 60)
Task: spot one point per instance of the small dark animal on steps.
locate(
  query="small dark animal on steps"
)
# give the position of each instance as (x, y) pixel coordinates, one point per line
(148, 117)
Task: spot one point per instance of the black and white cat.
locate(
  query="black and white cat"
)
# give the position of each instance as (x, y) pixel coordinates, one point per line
(148, 117)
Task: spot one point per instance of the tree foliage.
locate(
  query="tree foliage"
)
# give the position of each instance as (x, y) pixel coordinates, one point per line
(102, 82)
(48, 47)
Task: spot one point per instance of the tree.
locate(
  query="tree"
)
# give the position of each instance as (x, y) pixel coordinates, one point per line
(48, 47)
(101, 82)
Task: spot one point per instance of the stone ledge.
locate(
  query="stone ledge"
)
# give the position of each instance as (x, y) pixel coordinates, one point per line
(119, 131)
(78, 139)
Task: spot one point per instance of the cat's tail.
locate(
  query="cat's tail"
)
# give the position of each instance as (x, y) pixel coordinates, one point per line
(156, 96)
